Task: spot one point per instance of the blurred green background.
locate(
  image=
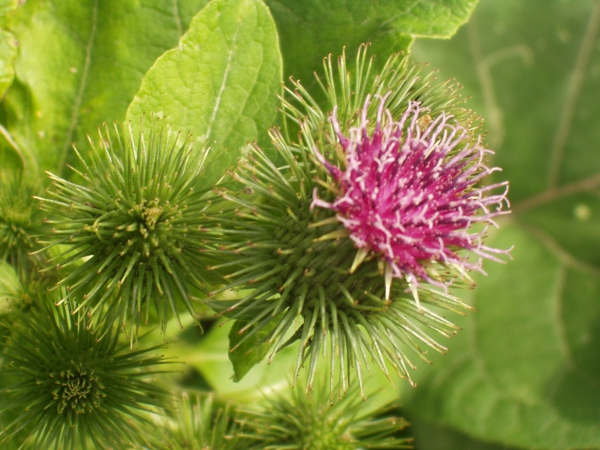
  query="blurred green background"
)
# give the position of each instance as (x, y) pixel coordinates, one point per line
(525, 371)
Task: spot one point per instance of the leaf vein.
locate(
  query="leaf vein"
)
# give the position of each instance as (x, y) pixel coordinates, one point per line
(557, 310)
(575, 85)
(177, 18)
(81, 91)
(585, 185)
(224, 81)
(563, 255)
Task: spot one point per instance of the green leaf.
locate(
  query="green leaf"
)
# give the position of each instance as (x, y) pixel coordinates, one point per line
(8, 46)
(8, 53)
(311, 29)
(533, 71)
(6, 7)
(526, 371)
(431, 436)
(220, 83)
(571, 223)
(80, 64)
(249, 352)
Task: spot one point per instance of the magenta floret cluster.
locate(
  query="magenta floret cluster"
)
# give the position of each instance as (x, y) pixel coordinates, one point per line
(409, 193)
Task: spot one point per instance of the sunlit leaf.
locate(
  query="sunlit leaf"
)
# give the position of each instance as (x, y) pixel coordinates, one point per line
(220, 83)
(80, 64)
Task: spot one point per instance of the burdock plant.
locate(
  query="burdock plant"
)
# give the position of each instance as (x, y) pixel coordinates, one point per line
(131, 231)
(69, 385)
(293, 419)
(21, 223)
(200, 422)
(350, 246)
(21, 227)
(324, 226)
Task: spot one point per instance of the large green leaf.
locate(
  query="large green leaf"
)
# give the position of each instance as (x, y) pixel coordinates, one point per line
(8, 46)
(8, 53)
(526, 370)
(311, 29)
(80, 63)
(433, 436)
(220, 83)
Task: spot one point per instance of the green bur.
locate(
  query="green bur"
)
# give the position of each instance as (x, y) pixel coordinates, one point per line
(73, 387)
(131, 235)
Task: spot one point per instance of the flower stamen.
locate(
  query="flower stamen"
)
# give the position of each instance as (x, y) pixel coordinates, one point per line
(408, 194)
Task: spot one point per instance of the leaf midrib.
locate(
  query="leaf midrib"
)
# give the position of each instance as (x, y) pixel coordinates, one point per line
(80, 93)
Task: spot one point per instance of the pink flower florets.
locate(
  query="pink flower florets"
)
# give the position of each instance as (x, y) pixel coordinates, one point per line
(408, 194)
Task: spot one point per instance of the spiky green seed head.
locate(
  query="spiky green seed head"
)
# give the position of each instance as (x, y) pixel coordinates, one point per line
(295, 420)
(72, 386)
(201, 422)
(21, 222)
(131, 228)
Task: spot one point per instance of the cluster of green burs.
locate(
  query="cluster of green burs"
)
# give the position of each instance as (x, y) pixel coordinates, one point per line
(131, 237)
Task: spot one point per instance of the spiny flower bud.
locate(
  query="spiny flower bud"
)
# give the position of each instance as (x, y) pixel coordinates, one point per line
(293, 419)
(20, 222)
(132, 232)
(201, 422)
(74, 386)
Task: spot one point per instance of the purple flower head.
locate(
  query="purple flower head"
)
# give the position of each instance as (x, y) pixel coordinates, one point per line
(409, 195)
